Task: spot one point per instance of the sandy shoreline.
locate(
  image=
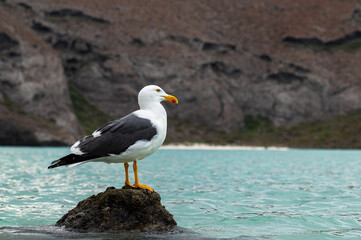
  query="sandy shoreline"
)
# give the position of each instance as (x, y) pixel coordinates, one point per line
(201, 146)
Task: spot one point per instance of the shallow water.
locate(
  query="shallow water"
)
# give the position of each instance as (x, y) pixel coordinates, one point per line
(245, 194)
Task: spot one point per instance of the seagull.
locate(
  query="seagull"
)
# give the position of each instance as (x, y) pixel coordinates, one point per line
(127, 139)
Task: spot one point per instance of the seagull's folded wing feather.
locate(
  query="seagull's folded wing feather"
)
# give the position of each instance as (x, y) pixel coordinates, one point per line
(117, 136)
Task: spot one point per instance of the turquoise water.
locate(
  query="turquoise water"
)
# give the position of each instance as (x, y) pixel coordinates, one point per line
(246, 194)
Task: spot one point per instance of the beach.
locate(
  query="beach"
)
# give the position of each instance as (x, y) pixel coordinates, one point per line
(203, 146)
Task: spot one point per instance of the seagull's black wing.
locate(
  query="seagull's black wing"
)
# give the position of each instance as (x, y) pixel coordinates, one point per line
(113, 138)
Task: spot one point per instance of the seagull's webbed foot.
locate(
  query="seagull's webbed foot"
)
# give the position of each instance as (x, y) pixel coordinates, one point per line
(137, 185)
(129, 185)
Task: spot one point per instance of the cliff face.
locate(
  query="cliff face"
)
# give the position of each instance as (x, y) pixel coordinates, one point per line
(290, 62)
(33, 88)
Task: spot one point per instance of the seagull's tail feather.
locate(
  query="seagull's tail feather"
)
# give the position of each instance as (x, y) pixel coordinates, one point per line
(71, 159)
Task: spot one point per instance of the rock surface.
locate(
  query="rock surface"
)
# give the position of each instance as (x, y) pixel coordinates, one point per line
(33, 86)
(288, 61)
(118, 210)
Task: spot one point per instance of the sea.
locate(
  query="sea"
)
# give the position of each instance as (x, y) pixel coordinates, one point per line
(213, 194)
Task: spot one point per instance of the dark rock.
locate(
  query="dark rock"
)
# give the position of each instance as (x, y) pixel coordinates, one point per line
(76, 14)
(81, 46)
(285, 77)
(137, 42)
(6, 42)
(299, 68)
(356, 14)
(179, 38)
(349, 38)
(61, 45)
(119, 210)
(40, 27)
(15, 135)
(303, 41)
(6, 84)
(219, 47)
(222, 68)
(25, 6)
(265, 57)
(12, 135)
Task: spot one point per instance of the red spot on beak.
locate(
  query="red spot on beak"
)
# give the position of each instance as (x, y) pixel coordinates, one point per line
(171, 99)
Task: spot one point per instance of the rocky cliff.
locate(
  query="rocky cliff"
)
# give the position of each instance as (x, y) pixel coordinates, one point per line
(287, 61)
(36, 108)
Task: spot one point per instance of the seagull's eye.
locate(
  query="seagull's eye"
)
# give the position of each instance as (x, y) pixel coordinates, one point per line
(158, 90)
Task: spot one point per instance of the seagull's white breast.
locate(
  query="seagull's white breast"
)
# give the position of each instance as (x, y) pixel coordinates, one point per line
(143, 148)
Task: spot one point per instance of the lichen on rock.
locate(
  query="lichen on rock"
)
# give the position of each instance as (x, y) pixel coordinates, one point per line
(119, 210)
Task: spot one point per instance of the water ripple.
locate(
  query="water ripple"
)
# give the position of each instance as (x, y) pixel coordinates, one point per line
(238, 194)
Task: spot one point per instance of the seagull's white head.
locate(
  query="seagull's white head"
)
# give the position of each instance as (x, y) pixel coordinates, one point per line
(153, 94)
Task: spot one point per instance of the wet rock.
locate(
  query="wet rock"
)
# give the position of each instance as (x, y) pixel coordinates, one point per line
(119, 210)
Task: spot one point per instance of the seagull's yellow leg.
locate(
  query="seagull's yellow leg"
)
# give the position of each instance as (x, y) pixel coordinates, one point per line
(137, 184)
(127, 183)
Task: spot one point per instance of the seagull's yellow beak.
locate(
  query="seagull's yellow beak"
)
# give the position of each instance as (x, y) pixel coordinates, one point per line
(171, 99)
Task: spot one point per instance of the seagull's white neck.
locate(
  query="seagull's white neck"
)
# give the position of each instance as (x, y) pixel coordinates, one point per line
(155, 107)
